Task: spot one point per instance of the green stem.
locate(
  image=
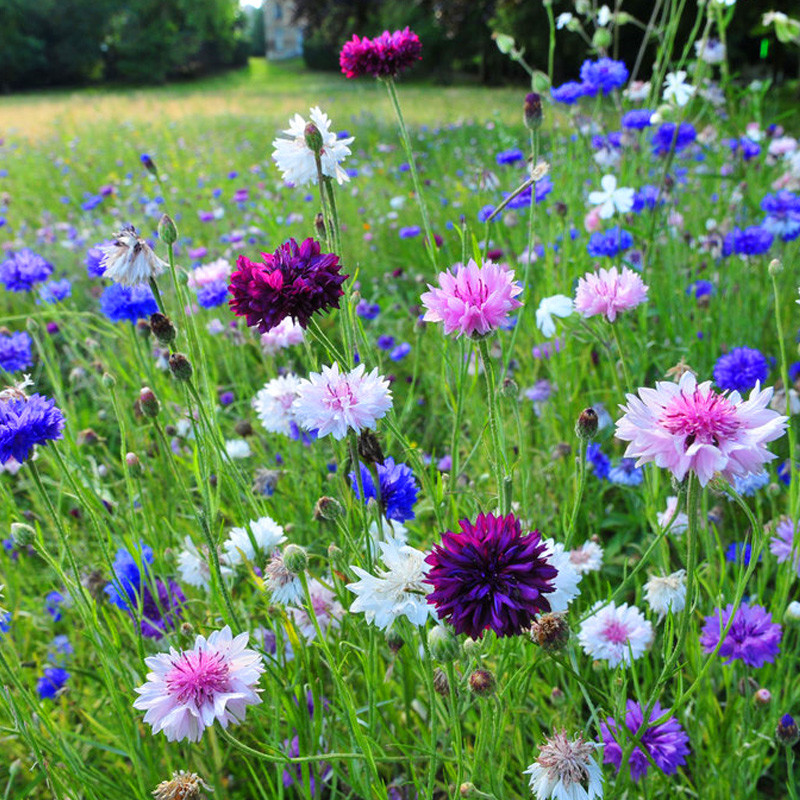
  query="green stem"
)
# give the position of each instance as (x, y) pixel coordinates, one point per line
(494, 425)
(579, 495)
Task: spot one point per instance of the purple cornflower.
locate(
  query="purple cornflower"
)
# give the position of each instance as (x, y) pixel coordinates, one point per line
(55, 291)
(523, 199)
(367, 310)
(296, 281)
(752, 241)
(647, 197)
(783, 214)
(410, 232)
(120, 303)
(52, 604)
(490, 576)
(604, 75)
(638, 119)
(598, 460)
(26, 422)
(22, 270)
(741, 369)
(384, 56)
(94, 258)
(753, 637)
(665, 138)
(52, 682)
(748, 147)
(783, 545)
(398, 489)
(666, 742)
(609, 243)
(385, 342)
(15, 351)
(569, 93)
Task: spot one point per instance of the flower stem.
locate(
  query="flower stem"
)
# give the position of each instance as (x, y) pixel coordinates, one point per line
(494, 427)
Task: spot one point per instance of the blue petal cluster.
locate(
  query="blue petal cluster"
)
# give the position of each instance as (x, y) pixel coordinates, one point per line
(398, 489)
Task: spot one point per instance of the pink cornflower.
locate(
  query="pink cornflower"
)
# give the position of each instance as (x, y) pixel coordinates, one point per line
(385, 56)
(331, 401)
(475, 301)
(615, 634)
(608, 292)
(186, 691)
(689, 427)
(219, 270)
(284, 334)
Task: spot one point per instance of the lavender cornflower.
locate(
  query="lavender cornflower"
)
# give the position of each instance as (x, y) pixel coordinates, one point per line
(626, 473)
(15, 351)
(783, 545)
(782, 214)
(55, 291)
(753, 637)
(22, 270)
(741, 369)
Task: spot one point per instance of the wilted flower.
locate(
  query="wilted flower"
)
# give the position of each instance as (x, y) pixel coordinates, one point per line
(129, 260)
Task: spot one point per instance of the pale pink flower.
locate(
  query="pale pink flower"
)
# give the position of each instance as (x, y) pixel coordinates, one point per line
(327, 609)
(186, 691)
(331, 401)
(608, 292)
(686, 426)
(273, 404)
(475, 301)
(587, 558)
(615, 633)
(219, 270)
(592, 221)
(286, 333)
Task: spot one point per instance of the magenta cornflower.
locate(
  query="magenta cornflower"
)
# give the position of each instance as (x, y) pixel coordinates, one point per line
(186, 691)
(333, 402)
(490, 576)
(608, 292)
(475, 301)
(754, 637)
(385, 56)
(296, 281)
(666, 742)
(688, 426)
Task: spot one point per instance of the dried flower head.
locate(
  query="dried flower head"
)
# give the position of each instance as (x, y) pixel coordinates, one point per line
(129, 260)
(183, 786)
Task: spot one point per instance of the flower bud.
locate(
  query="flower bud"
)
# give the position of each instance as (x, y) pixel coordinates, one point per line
(369, 448)
(243, 428)
(142, 329)
(442, 643)
(601, 39)
(328, 509)
(313, 138)
(532, 111)
(319, 225)
(505, 43)
(440, 683)
(162, 328)
(787, 732)
(509, 389)
(586, 426)
(792, 613)
(167, 231)
(775, 267)
(763, 697)
(132, 460)
(295, 558)
(557, 696)
(148, 164)
(394, 640)
(22, 535)
(550, 632)
(109, 380)
(482, 683)
(472, 647)
(180, 366)
(148, 402)
(88, 436)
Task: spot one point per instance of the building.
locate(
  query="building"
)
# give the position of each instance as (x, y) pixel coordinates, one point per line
(284, 39)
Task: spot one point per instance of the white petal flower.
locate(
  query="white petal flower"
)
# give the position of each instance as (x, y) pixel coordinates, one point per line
(587, 558)
(603, 16)
(558, 305)
(265, 535)
(237, 448)
(562, 20)
(566, 581)
(612, 199)
(676, 88)
(615, 633)
(566, 770)
(273, 404)
(666, 593)
(129, 260)
(194, 565)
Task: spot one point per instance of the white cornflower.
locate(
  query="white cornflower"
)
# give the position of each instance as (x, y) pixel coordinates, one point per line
(603, 16)
(615, 633)
(284, 586)
(676, 88)
(558, 305)
(129, 260)
(676, 522)
(567, 580)
(666, 593)
(563, 20)
(612, 199)
(396, 591)
(237, 448)
(266, 535)
(566, 770)
(296, 160)
(194, 566)
(792, 612)
(587, 558)
(273, 404)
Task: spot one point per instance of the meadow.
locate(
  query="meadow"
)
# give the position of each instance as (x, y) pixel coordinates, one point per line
(553, 587)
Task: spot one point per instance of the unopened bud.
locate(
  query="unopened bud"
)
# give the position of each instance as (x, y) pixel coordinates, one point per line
(162, 328)
(550, 632)
(586, 426)
(319, 225)
(295, 558)
(148, 402)
(132, 460)
(748, 686)
(167, 231)
(557, 696)
(148, 164)
(440, 683)
(472, 647)
(109, 380)
(601, 39)
(369, 448)
(88, 436)
(509, 389)
(180, 366)
(482, 683)
(532, 111)
(775, 267)
(763, 697)
(505, 43)
(22, 535)
(328, 509)
(442, 643)
(394, 640)
(243, 428)
(787, 732)
(313, 138)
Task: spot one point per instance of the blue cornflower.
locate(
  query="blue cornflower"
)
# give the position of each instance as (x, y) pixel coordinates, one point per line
(5, 622)
(647, 197)
(749, 148)
(598, 460)
(748, 485)
(398, 489)
(52, 682)
(21, 271)
(739, 552)
(94, 258)
(784, 472)
(120, 303)
(609, 243)
(400, 352)
(794, 371)
(212, 294)
(569, 93)
(626, 473)
(698, 289)
(25, 423)
(752, 241)
(604, 75)
(60, 647)
(128, 576)
(510, 156)
(386, 342)
(92, 202)
(15, 351)
(740, 369)
(55, 291)
(485, 213)
(523, 199)
(665, 139)
(52, 604)
(783, 214)
(367, 310)
(410, 232)
(638, 119)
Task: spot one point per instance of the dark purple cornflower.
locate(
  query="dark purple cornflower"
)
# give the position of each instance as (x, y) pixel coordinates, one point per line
(569, 93)
(638, 119)
(490, 576)
(741, 369)
(398, 489)
(26, 422)
(666, 742)
(752, 241)
(22, 270)
(754, 637)
(296, 281)
(15, 351)
(604, 75)
(385, 56)
(665, 138)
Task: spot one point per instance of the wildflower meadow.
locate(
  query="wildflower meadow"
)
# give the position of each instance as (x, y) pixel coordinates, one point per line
(383, 441)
